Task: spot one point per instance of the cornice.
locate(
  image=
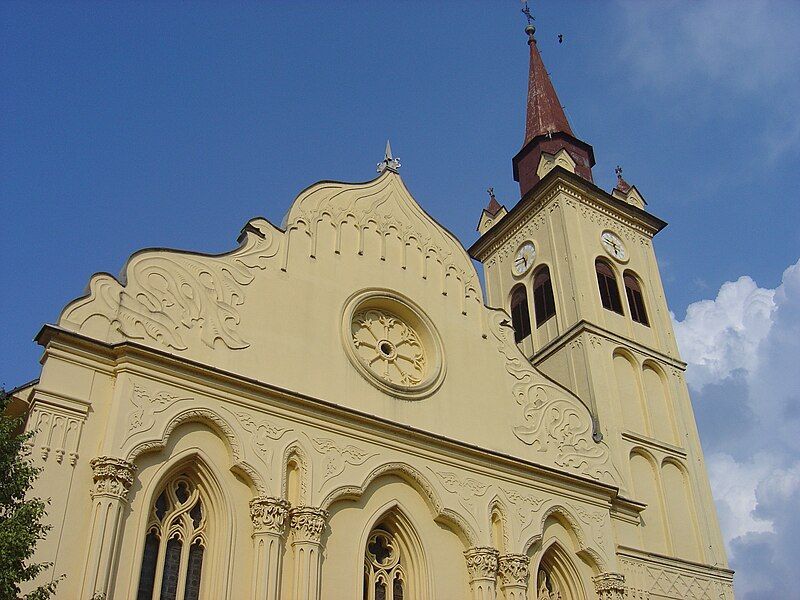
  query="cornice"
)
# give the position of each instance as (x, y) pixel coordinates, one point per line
(558, 181)
(693, 567)
(648, 442)
(299, 406)
(584, 326)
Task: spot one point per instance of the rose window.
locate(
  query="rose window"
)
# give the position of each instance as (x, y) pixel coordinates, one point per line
(389, 348)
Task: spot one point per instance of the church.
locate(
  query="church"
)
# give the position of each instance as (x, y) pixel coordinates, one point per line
(341, 408)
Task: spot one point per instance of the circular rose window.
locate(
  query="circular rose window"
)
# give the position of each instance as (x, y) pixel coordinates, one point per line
(393, 344)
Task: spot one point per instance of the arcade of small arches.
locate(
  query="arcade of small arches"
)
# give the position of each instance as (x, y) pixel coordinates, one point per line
(544, 305)
(174, 527)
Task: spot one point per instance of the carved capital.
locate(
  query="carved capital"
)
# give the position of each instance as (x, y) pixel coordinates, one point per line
(513, 569)
(481, 563)
(269, 514)
(609, 586)
(308, 523)
(112, 476)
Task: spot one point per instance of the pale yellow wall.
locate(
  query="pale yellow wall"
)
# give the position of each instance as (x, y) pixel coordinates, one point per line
(236, 365)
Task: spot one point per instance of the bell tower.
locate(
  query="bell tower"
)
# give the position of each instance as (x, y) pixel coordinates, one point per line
(575, 268)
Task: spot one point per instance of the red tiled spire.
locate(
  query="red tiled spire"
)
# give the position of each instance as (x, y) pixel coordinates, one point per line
(494, 206)
(545, 114)
(547, 129)
(622, 185)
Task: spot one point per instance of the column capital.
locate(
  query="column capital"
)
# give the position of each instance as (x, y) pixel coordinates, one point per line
(513, 569)
(308, 523)
(481, 562)
(269, 514)
(609, 586)
(112, 476)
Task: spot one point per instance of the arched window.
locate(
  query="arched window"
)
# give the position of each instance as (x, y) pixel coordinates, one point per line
(174, 544)
(635, 298)
(520, 317)
(547, 586)
(607, 282)
(544, 305)
(384, 567)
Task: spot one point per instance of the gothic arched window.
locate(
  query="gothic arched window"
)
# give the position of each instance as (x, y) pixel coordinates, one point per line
(607, 282)
(635, 298)
(520, 317)
(174, 545)
(544, 305)
(384, 571)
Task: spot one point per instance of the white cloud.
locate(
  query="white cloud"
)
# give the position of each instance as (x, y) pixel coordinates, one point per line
(743, 353)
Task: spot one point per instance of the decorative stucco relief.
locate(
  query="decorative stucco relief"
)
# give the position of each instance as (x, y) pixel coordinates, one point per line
(467, 489)
(337, 458)
(165, 295)
(148, 405)
(57, 432)
(597, 521)
(526, 507)
(261, 433)
(385, 208)
(552, 420)
(645, 580)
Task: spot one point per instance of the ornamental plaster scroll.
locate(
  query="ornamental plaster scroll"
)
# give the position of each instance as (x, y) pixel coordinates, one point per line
(157, 443)
(57, 432)
(166, 297)
(526, 507)
(597, 522)
(262, 434)
(646, 579)
(269, 514)
(564, 513)
(453, 519)
(467, 489)
(552, 420)
(385, 208)
(337, 458)
(147, 405)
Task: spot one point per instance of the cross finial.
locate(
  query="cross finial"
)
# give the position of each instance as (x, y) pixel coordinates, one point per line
(618, 171)
(529, 28)
(491, 193)
(389, 162)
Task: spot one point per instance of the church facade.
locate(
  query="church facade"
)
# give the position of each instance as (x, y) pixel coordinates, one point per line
(337, 409)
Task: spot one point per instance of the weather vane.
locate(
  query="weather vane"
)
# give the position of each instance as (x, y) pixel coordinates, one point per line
(491, 192)
(618, 171)
(527, 12)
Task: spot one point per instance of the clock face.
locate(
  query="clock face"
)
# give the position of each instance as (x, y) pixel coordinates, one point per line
(614, 245)
(523, 259)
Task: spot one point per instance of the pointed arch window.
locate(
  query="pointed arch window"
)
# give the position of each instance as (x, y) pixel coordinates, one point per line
(175, 543)
(607, 282)
(544, 304)
(635, 298)
(384, 567)
(520, 316)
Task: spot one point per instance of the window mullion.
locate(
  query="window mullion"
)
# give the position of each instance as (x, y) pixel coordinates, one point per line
(162, 552)
(185, 548)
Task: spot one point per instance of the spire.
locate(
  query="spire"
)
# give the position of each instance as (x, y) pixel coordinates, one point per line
(622, 185)
(547, 130)
(494, 206)
(389, 162)
(545, 114)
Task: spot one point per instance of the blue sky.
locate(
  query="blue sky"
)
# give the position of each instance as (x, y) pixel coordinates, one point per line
(124, 126)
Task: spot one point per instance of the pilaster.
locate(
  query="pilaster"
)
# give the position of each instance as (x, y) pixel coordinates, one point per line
(513, 571)
(482, 569)
(269, 524)
(308, 525)
(112, 480)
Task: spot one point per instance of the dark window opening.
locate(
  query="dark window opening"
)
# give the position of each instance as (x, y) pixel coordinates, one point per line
(520, 317)
(609, 292)
(635, 299)
(544, 304)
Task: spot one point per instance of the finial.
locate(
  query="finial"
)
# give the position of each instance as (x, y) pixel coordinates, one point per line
(490, 191)
(618, 171)
(529, 28)
(388, 162)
